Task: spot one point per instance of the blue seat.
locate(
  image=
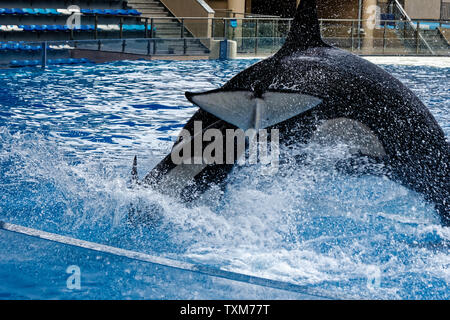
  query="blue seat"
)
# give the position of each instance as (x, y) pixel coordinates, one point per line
(8, 11)
(387, 19)
(28, 27)
(2, 10)
(134, 12)
(17, 11)
(98, 11)
(12, 46)
(233, 23)
(53, 12)
(86, 11)
(15, 63)
(52, 28)
(62, 27)
(110, 12)
(28, 11)
(122, 12)
(28, 48)
(41, 11)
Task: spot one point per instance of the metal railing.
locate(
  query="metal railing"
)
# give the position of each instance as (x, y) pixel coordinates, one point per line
(263, 35)
(44, 53)
(409, 27)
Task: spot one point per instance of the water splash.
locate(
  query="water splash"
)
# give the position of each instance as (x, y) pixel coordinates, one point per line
(65, 162)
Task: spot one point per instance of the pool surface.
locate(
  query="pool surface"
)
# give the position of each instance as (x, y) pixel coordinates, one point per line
(67, 139)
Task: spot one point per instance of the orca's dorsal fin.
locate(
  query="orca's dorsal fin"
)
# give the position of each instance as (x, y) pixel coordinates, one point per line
(305, 29)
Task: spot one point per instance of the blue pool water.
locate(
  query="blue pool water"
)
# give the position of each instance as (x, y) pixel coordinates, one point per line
(67, 139)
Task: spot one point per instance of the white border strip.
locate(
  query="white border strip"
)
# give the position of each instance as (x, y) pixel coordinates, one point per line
(210, 271)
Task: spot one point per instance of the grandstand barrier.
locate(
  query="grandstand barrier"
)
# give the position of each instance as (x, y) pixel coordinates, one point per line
(48, 53)
(254, 37)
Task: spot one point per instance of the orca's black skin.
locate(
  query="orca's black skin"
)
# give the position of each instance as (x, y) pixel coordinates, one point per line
(417, 152)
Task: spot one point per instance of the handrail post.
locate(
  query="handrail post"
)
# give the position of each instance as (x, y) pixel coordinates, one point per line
(182, 27)
(273, 35)
(44, 54)
(124, 44)
(417, 37)
(152, 26)
(359, 33)
(212, 27)
(184, 46)
(121, 28)
(146, 28)
(96, 27)
(256, 37)
(384, 37)
(148, 47)
(353, 35)
(404, 30)
(224, 28)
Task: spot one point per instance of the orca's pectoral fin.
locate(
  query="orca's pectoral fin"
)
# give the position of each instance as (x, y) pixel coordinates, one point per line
(247, 111)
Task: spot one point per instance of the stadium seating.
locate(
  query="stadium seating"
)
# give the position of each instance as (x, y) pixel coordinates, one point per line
(32, 63)
(46, 28)
(18, 46)
(50, 12)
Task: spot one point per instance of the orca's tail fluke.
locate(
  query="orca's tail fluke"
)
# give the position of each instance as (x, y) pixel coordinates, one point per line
(305, 29)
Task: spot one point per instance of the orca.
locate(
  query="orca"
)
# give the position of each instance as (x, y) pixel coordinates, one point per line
(313, 92)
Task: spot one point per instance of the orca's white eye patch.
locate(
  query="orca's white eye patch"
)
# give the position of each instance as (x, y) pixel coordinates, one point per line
(244, 110)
